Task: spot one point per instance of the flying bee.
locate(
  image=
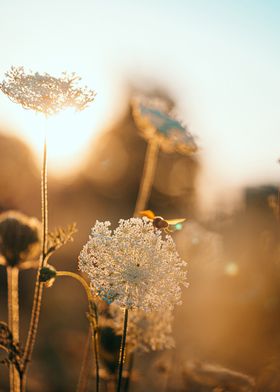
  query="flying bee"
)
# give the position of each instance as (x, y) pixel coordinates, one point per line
(168, 225)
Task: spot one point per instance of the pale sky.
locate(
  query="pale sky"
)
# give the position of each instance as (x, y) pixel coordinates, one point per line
(219, 59)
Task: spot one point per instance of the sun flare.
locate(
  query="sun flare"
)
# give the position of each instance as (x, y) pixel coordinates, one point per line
(69, 134)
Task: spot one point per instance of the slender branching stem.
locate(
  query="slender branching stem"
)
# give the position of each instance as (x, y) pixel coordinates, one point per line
(93, 311)
(148, 176)
(79, 278)
(13, 318)
(45, 203)
(122, 350)
(93, 318)
(83, 377)
(36, 307)
(129, 372)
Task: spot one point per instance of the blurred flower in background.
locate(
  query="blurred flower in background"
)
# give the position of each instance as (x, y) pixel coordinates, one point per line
(155, 121)
(19, 240)
(205, 377)
(147, 331)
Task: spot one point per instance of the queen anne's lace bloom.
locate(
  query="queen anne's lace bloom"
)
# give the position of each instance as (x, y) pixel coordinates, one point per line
(44, 93)
(147, 331)
(155, 121)
(134, 266)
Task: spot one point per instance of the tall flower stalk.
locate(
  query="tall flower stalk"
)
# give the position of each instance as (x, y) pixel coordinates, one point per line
(37, 299)
(162, 131)
(13, 320)
(122, 350)
(47, 95)
(147, 176)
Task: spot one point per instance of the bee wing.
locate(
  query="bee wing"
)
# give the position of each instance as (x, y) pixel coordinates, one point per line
(169, 229)
(148, 213)
(175, 221)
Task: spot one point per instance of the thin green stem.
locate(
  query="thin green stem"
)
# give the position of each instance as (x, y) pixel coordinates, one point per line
(122, 350)
(83, 377)
(13, 318)
(37, 300)
(93, 318)
(148, 176)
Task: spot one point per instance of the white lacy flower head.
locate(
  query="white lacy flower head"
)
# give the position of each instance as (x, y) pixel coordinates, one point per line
(147, 331)
(134, 266)
(44, 93)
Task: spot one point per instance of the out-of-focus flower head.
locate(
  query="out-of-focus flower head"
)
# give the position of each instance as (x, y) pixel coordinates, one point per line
(19, 240)
(44, 93)
(134, 266)
(155, 121)
(209, 377)
(147, 331)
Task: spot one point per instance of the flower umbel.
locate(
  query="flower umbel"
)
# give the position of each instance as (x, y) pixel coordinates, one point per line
(44, 93)
(155, 121)
(19, 239)
(134, 266)
(147, 331)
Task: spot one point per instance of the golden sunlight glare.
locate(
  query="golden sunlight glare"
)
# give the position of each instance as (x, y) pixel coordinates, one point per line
(69, 133)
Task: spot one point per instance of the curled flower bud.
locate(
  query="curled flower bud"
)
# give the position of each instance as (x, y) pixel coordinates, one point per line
(19, 239)
(48, 275)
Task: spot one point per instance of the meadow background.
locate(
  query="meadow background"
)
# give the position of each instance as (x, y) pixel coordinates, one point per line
(219, 63)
